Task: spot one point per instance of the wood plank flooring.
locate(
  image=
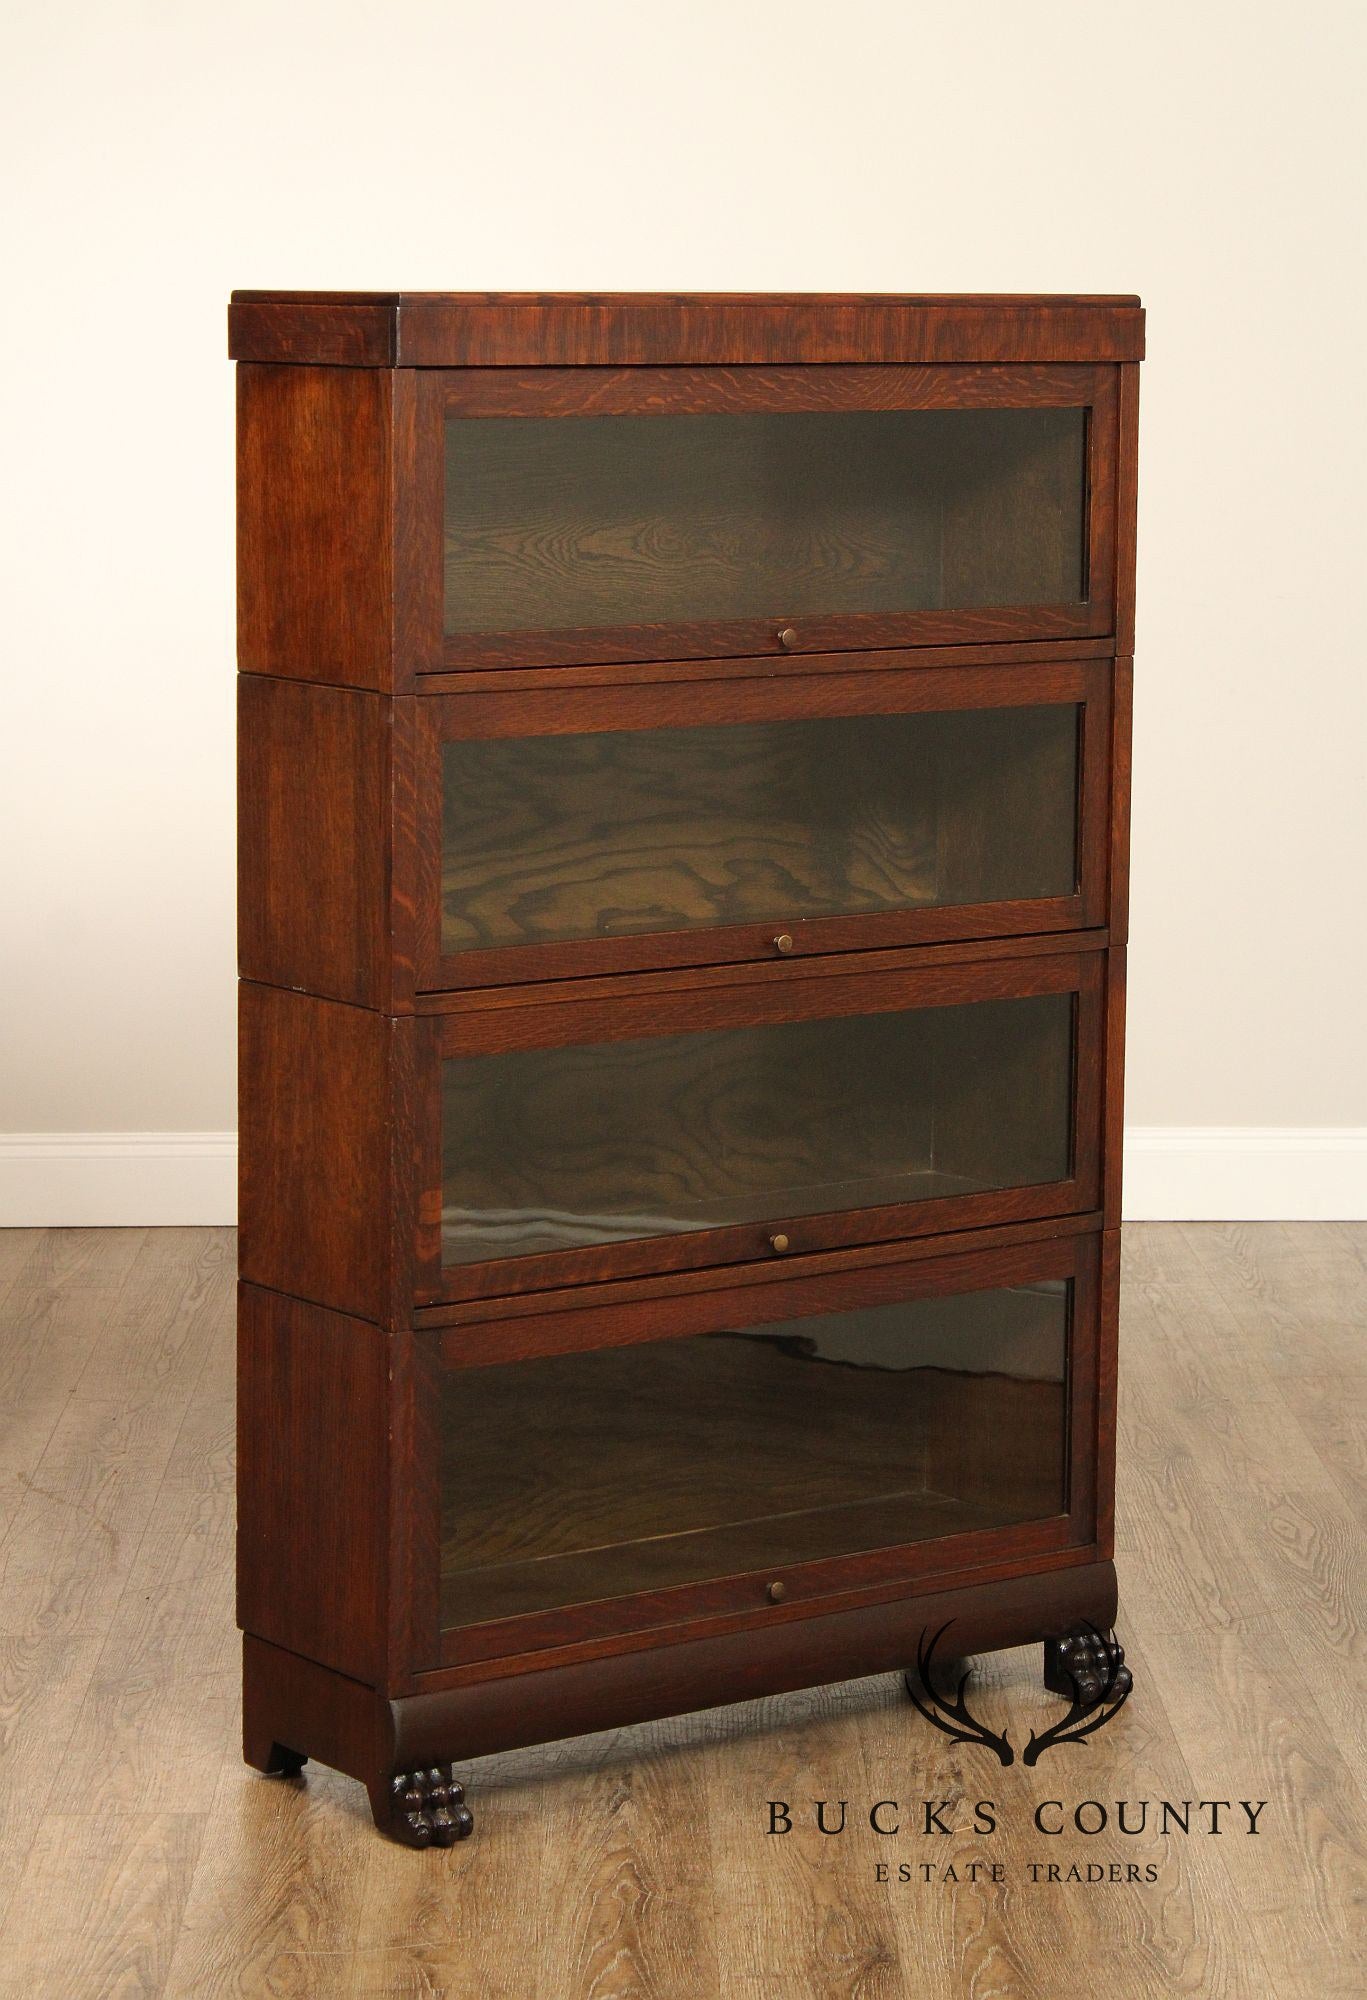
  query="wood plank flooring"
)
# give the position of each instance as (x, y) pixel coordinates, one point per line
(138, 1856)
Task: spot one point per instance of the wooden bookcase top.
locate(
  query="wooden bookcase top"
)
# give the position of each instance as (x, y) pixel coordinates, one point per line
(624, 329)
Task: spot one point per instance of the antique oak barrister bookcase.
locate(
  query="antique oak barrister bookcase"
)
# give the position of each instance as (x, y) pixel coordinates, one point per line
(684, 776)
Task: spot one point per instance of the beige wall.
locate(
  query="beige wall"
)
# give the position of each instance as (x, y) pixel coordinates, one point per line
(1206, 156)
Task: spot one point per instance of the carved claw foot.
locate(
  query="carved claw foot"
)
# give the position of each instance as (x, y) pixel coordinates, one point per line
(1083, 1663)
(424, 1808)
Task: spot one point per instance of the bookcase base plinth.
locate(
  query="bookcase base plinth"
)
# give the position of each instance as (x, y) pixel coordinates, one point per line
(295, 1708)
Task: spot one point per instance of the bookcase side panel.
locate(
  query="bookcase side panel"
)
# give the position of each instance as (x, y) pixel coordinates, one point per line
(314, 524)
(315, 851)
(315, 1174)
(312, 1482)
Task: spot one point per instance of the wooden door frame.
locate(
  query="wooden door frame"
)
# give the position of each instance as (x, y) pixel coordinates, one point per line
(424, 398)
(850, 694)
(885, 983)
(1071, 1248)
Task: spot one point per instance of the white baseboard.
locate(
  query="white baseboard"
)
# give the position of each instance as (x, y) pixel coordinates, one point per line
(68, 1180)
(1173, 1173)
(1245, 1173)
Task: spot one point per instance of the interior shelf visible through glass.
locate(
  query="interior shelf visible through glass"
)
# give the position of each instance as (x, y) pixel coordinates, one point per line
(552, 1149)
(585, 1476)
(624, 832)
(580, 522)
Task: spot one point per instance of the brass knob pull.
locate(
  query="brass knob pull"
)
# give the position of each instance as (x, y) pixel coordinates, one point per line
(784, 942)
(787, 638)
(779, 1243)
(776, 1592)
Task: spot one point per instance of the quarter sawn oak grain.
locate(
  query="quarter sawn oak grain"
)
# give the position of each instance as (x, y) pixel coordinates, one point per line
(679, 736)
(446, 330)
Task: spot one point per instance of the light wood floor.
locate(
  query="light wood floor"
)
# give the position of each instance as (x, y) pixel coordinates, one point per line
(138, 1855)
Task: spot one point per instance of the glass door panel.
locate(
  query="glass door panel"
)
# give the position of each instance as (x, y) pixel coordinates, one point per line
(577, 1477)
(555, 1149)
(620, 833)
(582, 522)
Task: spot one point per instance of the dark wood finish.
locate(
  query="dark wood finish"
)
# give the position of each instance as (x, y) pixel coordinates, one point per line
(297, 1708)
(357, 1730)
(1015, 789)
(1127, 500)
(526, 1323)
(607, 1628)
(313, 789)
(683, 392)
(968, 1471)
(316, 1174)
(424, 1808)
(1113, 1111)
(786, 989)
(328, 841)
(313, 1472)
(936, 1534)
(352, 593)
(774, 970)
(309, 331)
(1107, 1366)
(1088, 1667)
(419, 528)
(401, 838)
(416, 1489)
(692, 392)
(1122, 733)
(768, 667)
(572, 1024)
(579, 329)
(973, 925)
(359, 1354)
(314, 556)
(340, 826)
(1018, 1552)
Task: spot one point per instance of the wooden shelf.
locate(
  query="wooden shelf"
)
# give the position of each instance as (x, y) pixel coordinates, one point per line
(644, 1468)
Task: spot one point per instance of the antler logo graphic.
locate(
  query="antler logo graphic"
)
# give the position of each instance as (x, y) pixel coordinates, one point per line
(956, 1722)
(1089, 1663)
